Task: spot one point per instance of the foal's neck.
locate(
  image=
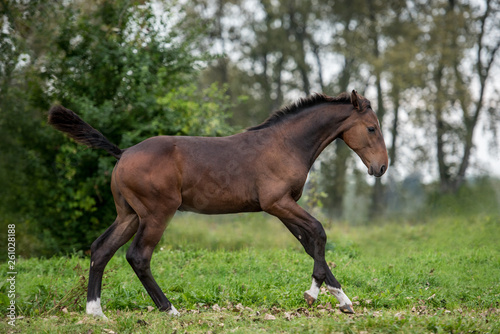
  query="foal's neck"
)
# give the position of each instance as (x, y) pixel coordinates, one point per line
(311, 131)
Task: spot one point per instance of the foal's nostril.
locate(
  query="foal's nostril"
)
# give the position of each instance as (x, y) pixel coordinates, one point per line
(382, 169)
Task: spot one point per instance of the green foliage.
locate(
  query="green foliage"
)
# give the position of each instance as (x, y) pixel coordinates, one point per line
(114, 64)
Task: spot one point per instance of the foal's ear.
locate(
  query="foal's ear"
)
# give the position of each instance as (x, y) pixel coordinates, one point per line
(355, 99)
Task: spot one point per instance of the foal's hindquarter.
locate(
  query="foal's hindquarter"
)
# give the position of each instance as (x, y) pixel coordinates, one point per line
(259, 170)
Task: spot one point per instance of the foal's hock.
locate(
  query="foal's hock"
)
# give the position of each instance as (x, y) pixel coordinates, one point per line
(261, 169)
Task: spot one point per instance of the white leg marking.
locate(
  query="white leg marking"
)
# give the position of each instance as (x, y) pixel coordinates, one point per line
(94, 308)
(173, 311)
(314, 290)
(340, 295)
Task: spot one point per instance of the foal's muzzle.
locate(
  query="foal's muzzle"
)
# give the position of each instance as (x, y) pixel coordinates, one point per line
(377, 170)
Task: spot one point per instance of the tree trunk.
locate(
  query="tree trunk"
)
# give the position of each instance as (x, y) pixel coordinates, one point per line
(334, 173)
(378, 198)
(315, 51)
(394, 130)
(298, 31)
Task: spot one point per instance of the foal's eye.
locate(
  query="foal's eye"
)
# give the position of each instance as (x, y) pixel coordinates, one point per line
(371, 129)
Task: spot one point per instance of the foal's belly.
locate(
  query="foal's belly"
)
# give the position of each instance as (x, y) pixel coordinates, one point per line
(219, 195)
(217, 209)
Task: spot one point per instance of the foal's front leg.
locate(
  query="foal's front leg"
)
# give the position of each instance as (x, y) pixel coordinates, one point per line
(312, 236)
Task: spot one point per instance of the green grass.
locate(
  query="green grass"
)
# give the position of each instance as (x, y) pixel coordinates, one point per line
(246, 273)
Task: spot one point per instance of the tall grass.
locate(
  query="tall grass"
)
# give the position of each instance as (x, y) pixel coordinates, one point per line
(447, 262)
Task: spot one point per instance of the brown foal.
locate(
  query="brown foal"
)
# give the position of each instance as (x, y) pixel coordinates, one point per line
(261, 169)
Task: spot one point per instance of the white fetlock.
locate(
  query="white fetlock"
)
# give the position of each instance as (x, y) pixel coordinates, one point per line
(345, 303)
(312, 294)
(94, 309)
(173, 311)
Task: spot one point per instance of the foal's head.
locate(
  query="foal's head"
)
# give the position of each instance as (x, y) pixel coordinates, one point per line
(363, 135)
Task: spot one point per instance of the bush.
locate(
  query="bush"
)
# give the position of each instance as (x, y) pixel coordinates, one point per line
(114, 65)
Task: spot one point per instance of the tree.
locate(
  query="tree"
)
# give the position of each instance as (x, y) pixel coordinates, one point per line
(267, 51)
(460, 55)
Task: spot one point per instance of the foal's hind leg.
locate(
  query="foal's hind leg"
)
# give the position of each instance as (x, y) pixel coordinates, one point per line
(102, 250)
(139, 254)
(312, 236)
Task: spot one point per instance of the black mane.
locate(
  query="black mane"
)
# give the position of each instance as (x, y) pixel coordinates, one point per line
(298, 106)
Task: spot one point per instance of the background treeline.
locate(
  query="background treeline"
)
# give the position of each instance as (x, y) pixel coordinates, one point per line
(135, 69)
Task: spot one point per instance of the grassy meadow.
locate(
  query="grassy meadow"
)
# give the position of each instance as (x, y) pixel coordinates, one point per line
(247, 274)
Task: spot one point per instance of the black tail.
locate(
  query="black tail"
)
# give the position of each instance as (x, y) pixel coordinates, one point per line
(70, 123)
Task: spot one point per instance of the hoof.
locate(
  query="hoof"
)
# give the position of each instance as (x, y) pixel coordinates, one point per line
(346, 309)
(309, 299)
(99, 317)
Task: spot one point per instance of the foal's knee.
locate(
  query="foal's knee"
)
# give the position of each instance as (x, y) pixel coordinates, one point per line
(319, 232)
